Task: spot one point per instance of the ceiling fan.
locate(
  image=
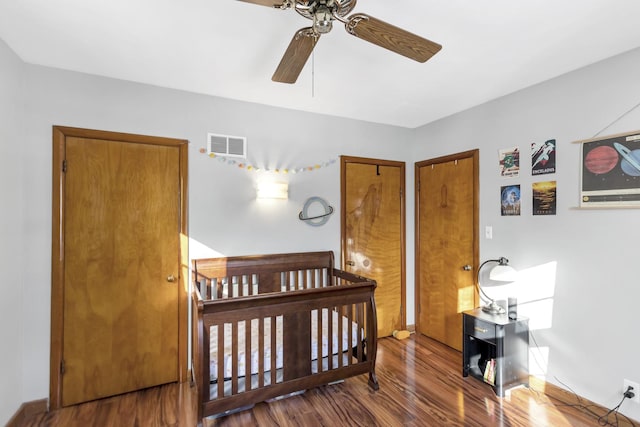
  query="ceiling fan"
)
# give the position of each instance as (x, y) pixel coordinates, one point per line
(323, 13)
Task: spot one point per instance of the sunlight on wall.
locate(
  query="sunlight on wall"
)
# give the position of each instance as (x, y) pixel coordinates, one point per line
(466, 298)
(535, 290)
(538, 360)
(199, 250)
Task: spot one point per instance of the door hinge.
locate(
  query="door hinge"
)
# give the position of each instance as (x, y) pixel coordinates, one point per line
(64, 166)
(401, 193)
(62, 367)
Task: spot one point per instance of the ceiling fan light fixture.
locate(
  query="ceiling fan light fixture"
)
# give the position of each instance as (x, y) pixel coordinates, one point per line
(322, 21)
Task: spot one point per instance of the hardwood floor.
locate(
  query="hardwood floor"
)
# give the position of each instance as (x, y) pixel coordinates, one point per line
(420, 385)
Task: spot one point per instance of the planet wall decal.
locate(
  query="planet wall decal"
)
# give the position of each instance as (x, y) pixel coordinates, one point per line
(630, 159)
(601, 159)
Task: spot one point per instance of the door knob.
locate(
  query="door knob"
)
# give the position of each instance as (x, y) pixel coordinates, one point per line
(466, 267)
(171, 278)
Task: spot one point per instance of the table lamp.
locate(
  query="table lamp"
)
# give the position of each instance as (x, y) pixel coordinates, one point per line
(502, 272)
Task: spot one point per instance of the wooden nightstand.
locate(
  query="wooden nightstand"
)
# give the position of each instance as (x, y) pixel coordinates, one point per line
(489, 338)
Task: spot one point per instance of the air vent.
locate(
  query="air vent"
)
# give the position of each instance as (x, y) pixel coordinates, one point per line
(227, 145)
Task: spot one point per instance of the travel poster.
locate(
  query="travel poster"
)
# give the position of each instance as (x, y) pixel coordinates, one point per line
(509, 161)
(543, 157)
(544, 198)
(510, 200)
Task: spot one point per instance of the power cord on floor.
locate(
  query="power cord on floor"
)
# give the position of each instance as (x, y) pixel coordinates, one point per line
(603, 420)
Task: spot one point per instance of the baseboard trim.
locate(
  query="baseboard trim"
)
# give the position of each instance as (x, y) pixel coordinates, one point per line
(27, 410)
(568, 397)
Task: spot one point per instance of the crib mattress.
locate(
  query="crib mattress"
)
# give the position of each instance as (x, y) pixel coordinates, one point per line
(241, 359)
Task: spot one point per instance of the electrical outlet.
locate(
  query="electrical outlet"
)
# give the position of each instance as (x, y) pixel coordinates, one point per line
(636, 390)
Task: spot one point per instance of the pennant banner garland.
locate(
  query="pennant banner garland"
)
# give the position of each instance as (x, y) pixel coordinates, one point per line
(252, 168)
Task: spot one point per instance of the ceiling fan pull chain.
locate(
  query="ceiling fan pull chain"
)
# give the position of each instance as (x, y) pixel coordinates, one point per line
(313, 74)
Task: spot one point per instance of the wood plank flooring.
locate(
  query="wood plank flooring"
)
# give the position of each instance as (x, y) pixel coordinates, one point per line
(420, 385)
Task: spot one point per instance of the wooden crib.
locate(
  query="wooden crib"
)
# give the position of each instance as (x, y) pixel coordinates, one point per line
(267, 326)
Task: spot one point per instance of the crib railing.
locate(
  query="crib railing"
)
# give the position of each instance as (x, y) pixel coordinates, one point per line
(228, 277)
(267, 349)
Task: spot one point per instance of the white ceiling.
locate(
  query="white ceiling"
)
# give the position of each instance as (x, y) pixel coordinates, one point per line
(230, 48)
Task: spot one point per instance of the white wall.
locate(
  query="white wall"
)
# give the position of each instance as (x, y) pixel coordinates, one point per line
(580, 285)
(11, 224)
(224, 215)
(590, 349)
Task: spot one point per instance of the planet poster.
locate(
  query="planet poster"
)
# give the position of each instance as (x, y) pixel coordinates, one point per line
(510, 200)
(610, 174)
(543, 157)
(509, 161)
(544, 198)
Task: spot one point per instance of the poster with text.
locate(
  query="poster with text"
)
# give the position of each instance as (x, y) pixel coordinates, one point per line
(510, 200)
(611, 171)
(509, 161)
(544, 198)
(543, 157)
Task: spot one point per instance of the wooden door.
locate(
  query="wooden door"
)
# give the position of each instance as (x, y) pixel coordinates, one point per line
(373, 230)
(446, 244)
(118, 298)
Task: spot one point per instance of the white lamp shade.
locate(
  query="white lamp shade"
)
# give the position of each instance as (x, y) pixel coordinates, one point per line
(503, 273)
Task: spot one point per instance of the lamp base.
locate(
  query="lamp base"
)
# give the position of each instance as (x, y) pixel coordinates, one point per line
(493, 308)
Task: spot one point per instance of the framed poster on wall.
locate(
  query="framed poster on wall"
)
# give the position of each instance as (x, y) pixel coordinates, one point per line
(510, 200)
(610, 171)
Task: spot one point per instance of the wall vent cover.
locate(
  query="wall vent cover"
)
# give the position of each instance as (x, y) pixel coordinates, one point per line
(227, 145)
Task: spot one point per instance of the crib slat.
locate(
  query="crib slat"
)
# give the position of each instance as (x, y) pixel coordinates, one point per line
(349, 314)
(330, 337)
(220, 328)
(234, 358)
(248, 326)
(340, 337)
(261, 333)
(360, 321)
(273, 350)
(203, 359)
(320, 328)
(203, 285)
(219, 288)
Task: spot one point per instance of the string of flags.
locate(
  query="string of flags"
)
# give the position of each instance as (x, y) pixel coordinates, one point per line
(253, 168)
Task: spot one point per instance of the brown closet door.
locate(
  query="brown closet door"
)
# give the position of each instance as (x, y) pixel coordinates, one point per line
(121, 204)
(373, 233)
(447, 244)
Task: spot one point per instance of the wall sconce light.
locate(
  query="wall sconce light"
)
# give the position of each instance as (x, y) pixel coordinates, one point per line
(502, 272)
(272, 190)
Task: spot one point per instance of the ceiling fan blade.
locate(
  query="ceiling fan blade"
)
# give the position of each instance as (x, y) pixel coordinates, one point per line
(390, 37)
(269, 3)
(296, 56)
